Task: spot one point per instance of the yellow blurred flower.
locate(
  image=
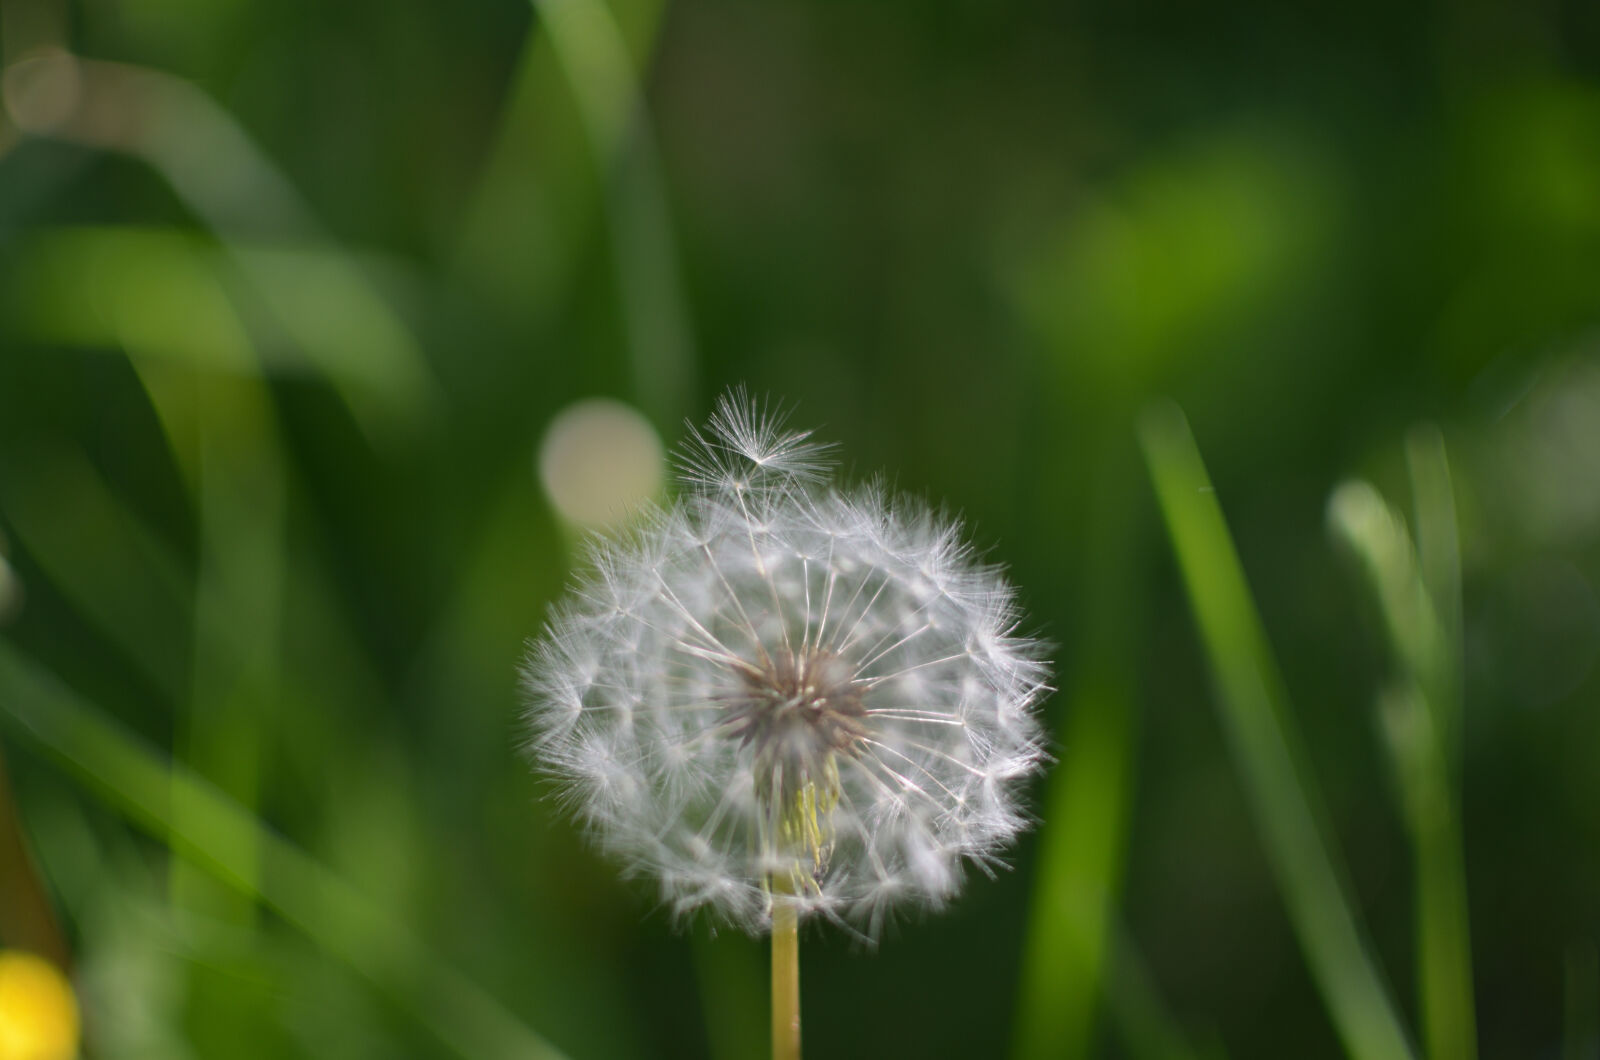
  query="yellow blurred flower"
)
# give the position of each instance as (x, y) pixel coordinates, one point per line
(38, 1013)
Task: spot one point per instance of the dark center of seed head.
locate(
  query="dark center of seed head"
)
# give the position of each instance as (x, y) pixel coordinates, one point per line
(796, 710)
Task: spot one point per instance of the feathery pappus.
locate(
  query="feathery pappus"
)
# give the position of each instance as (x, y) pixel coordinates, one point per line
(775, 686)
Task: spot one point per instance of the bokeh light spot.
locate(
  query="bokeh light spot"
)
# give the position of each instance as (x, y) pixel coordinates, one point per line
(42, 90)
(599, 460)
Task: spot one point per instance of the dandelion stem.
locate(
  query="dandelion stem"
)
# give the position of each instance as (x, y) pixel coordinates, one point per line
(785, 980)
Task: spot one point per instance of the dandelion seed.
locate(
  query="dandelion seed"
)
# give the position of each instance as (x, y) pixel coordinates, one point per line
(773, 687)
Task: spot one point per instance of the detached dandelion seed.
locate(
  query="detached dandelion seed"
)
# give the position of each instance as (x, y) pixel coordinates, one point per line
(784, 700)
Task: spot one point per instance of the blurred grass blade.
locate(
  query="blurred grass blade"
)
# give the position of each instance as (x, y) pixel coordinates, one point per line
(1259, 729)
(1444, 950)
(1360, 518)
(1417, 712)
(105, 560)
(229, 842)
(535, 200)
(1083, 843)
(588, 42)
(1439, 560)
(223, 434)
(1140, 1016)
(1080, 863)
(220, 174)
(163, 301)
(340, 322)
(110, 288)
(174, 295)
(574, 141)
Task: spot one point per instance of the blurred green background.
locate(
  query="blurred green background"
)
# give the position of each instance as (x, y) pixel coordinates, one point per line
(290, 293)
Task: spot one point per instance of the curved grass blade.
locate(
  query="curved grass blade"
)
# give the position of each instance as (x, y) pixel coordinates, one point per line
(1079, 873)
(589, 45)
(231, 186)
(1254, 713)
(238, 849)
(1418, 594)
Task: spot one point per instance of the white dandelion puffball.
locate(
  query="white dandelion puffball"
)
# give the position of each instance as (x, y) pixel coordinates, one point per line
(776, 687)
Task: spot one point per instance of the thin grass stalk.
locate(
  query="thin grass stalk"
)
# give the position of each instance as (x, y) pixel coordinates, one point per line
(1083, 844)
(589, 45)
(1417, 589)
(1261, 734)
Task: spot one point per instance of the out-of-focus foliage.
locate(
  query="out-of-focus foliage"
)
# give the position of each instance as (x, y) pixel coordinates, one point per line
(290, 294)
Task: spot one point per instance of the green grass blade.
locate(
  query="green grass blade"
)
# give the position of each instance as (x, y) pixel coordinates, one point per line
(1439, 564)
(1359, 517)
(1071, 972)
(229, 183)
(238, 849)
(173, 295)
(102, 558)
(222, 430)
(1140, 1015)
(1444, 950)
(589, 44)
(1080, 861)
(1420, 711)
(1083, 843)
(1256, 721)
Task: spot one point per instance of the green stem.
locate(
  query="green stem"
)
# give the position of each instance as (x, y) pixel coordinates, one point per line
(785, 980)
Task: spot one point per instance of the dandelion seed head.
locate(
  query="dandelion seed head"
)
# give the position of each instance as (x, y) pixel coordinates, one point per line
(772, 685)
